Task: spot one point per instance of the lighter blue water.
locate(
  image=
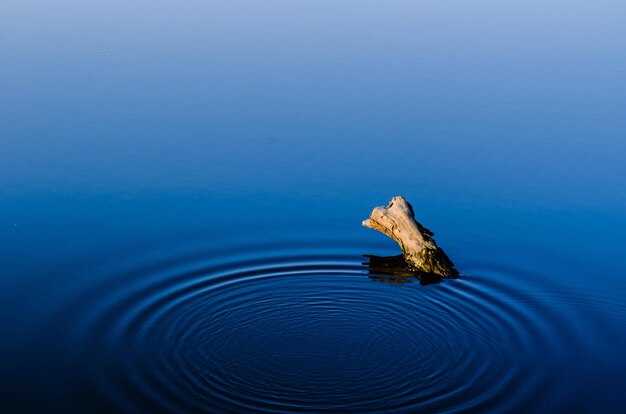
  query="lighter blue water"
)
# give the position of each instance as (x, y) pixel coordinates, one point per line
(182, 186)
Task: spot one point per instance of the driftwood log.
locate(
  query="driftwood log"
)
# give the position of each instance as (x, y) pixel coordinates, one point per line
(420, 251)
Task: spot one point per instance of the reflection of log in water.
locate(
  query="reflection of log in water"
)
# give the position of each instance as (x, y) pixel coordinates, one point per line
(394, 269)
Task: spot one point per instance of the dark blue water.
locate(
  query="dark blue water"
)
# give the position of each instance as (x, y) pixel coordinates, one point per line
(182, 186)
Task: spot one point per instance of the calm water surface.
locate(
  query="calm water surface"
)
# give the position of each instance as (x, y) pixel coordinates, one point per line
(182, 186)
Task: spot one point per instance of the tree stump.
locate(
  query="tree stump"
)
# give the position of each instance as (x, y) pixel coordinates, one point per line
(419, 249)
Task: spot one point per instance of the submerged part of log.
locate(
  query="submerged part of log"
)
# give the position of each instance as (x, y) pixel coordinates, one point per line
(418, 247)
(394, 269)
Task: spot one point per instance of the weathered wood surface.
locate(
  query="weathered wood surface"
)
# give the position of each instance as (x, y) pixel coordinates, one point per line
(419, 249)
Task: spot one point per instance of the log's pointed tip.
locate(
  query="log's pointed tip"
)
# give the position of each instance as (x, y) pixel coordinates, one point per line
(397, 200)
(366, 223)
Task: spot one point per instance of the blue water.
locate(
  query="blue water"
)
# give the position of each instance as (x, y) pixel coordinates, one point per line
(182, 186)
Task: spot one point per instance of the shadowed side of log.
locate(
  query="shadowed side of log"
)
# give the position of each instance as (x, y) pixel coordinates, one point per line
(420, 251)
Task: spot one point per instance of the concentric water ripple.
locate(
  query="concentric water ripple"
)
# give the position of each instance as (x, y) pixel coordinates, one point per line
(276, 329)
